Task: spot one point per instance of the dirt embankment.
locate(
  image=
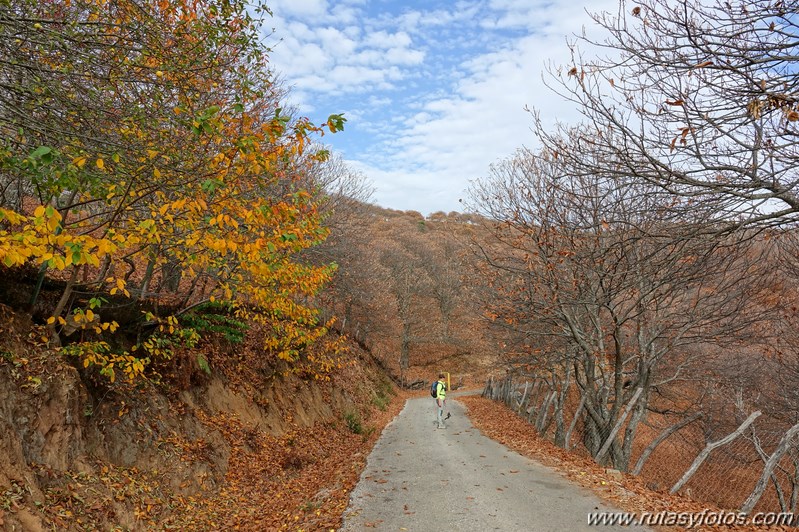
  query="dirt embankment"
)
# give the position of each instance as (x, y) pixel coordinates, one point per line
(279, 453)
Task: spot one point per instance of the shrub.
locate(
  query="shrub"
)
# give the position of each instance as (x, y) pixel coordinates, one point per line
(353, 422)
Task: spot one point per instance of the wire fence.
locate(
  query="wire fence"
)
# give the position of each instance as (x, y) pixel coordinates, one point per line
(749, 464)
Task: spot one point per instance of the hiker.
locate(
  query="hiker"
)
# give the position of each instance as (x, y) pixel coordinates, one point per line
(441, 400)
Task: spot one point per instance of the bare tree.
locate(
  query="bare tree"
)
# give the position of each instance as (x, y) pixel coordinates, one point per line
(700, 98)
(624, 274)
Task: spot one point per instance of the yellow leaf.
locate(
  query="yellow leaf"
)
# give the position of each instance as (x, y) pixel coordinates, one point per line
(50, 320)
(52, 223)
(100, 163)
(80, 162)
(156, 173)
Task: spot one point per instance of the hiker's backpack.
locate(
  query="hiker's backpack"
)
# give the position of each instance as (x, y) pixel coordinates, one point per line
(434, 388)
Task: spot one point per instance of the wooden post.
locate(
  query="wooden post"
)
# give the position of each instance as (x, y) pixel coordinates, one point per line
(567, 439)
(771, 463)
(702, 456)
(524, 397)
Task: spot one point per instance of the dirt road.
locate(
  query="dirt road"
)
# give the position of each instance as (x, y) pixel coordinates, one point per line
(419, 478)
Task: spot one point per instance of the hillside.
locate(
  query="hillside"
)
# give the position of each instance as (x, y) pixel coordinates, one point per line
(239, 448)
(221, 431)
(409, 289)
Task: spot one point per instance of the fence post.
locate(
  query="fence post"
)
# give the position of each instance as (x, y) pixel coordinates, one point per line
(702, 456)
(524, 397)
(771, 463)
(575, 419)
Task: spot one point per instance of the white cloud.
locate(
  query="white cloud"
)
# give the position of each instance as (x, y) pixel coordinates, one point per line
(325, 58)
(361, 78)
(338, 43)
(385, 40)
(393, 56)
(314, 59)
(299, 8)
(434, 97)
(398, 190)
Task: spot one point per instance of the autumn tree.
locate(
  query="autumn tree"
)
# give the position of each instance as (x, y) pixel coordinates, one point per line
(407, 283)
(446, 265)
(145, 150)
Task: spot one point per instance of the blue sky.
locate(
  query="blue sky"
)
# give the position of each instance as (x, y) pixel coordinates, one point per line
(433, 91)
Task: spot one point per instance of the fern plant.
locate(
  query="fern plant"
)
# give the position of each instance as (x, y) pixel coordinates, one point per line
(215, 318)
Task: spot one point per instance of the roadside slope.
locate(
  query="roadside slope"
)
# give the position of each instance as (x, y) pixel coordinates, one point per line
(234, 449)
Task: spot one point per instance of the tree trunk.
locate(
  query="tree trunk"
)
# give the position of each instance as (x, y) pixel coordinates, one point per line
(534, 396)
(172, 273)
(61, 305)
(542, 414)
(520, 406)
(702, 456)
(603, 451)
(547, 421)
(592, 438)
(487, 388)
(145, 283)
(560, 406)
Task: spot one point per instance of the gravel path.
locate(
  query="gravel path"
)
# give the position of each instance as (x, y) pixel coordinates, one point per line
(420, 478)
